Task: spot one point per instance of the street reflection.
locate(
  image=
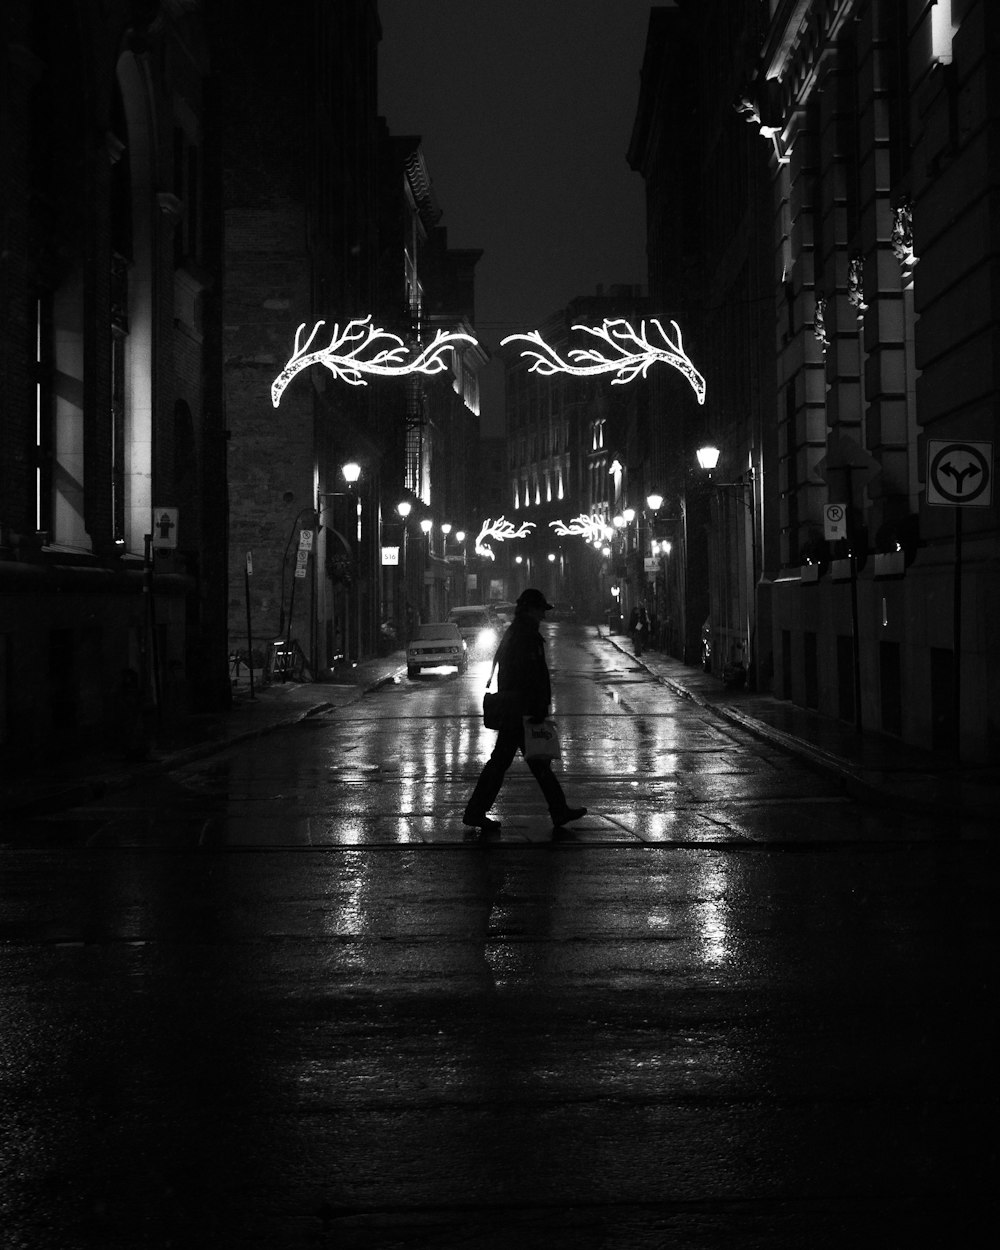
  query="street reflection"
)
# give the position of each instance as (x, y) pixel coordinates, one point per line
(711, 882)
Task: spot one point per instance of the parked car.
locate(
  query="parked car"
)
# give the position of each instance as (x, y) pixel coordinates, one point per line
(437, 644)
(561, 611)
(480, 626)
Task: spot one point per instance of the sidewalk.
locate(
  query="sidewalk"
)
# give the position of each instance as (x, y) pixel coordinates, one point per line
(272, 707)
(873, 766)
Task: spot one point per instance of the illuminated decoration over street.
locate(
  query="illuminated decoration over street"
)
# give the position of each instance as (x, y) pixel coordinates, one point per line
(363, 348)
(632, 353)
(593, 528)
(500, 530)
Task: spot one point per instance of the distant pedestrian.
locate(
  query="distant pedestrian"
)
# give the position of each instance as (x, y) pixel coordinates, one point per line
(638, 627)
(521, 667)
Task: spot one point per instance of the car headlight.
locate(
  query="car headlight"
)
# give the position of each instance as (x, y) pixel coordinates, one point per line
(487, 637)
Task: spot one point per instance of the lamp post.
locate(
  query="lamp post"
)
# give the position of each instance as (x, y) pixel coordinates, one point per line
(460, 538)
(446, 530)
(351, 472)
(404, 507)
(427, 525)
(736, 670)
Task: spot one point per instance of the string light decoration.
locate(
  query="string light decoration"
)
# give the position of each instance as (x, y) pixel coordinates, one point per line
(500, 531)
(362, 348)
(593, 528)
(632, 353)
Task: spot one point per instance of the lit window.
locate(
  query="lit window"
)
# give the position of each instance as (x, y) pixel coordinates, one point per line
(942, 32)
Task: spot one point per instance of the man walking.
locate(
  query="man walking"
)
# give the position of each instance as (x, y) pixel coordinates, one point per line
(521, 667)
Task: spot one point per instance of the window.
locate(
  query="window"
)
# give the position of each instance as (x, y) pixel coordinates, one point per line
(942, 31)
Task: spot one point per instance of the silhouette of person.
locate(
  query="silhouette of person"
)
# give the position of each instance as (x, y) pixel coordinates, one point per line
(521, 667)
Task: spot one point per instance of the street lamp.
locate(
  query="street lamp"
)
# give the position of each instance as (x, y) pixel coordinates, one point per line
(351, 473)
(708, 457)
(427, 526)
(404, 508)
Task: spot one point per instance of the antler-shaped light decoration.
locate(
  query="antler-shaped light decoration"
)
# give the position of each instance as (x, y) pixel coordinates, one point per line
(501, 529)
(635, 353)
(345, 355)
(592, 528)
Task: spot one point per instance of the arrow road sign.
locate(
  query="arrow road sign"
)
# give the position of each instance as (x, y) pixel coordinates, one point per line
(959, 474)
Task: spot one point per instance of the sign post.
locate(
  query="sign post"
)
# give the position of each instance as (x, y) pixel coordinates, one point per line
(247, 574)
(959, 475)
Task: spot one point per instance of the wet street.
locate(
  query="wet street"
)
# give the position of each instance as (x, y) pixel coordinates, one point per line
(282, 998)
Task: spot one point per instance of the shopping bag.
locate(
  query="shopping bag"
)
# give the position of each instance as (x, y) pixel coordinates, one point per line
(541, 741)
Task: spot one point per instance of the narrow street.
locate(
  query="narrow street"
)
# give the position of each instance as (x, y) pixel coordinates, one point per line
(282, 998)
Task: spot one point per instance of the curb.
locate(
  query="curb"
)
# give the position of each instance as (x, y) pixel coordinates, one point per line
(789, 742)
(856, 784)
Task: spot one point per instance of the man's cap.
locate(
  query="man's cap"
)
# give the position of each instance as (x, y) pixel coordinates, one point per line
(532, 598)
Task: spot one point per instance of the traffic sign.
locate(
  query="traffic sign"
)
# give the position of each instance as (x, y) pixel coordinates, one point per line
(959, 474)
(834, 521)
(165, 528)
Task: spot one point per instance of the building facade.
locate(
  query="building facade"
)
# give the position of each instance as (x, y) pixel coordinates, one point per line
(332, 222)
(112, 455)
(576, 462)
(867, 473)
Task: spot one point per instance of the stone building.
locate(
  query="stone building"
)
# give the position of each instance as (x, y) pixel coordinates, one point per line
(299, 144)
(873, 452)
(576, 448)
(112, 455)
(331, 219)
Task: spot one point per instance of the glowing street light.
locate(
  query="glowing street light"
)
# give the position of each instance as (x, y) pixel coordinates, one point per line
(654, 502)
(708, 457)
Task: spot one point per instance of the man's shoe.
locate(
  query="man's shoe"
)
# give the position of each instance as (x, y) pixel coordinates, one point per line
(568, 816)
(482, 822)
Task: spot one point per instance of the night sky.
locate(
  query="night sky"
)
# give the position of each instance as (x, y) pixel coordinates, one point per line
(525, 108)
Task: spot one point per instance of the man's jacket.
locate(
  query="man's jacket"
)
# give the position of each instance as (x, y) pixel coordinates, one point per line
(521, 666)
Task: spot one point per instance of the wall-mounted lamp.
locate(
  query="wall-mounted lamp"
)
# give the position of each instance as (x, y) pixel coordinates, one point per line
(404, 508)
(654, 502)
(351, 472)
(708, 457)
